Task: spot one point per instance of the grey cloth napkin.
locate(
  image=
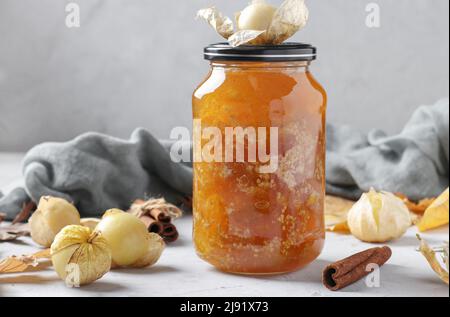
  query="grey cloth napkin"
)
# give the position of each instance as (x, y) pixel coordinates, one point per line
(98, 172)
(414, 162)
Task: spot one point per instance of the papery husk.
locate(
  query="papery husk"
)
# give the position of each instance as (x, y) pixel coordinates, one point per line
(379, 217)
(246, 37)
(91, 253)
(336, 211)
(221, 23)
(26, 263)
(418, 208)
(433, 260)
(437, 214)
(288, 19)
(13, 232)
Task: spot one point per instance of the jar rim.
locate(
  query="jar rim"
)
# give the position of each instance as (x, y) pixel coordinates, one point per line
(286, 52)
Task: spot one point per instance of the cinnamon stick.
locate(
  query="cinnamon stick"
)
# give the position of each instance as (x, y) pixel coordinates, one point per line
(157, 216)
(152, 225)
(160, 215)
(352, 269)
(169, 233)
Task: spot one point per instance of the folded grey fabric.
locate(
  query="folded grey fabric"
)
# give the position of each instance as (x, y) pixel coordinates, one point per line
(414, 162)
(98, 172)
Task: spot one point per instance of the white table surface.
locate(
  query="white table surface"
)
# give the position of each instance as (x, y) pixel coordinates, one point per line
(181, 273)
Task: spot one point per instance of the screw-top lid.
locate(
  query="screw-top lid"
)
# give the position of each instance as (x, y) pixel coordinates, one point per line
(263, 53)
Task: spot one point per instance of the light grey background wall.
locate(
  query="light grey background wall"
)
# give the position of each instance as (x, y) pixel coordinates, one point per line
(136, 62)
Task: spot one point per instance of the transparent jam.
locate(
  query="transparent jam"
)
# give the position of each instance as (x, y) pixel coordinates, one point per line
(251, 223)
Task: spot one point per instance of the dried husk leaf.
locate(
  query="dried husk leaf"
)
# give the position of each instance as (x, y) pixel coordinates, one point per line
(91, 252)
(336, 211)
(85, 258)
(432, 259)
(25, 263)
(221, 23)
(437, 214)
(10, 236)
(342, 228)
(13, 232)
(70, 236)
(417, 208)
(246, 37)
(290, 18)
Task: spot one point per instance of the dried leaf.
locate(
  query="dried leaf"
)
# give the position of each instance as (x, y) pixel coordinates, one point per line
(10, 233)
(25, 213)
(8, 236)
(25, 263)
(437, 214)
(417, 208)
(222, 24)
(44, 254)
(432, 259)
(340, 228)
(336, 211)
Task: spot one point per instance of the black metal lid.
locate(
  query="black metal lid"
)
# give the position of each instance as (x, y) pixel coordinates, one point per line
(285, 52)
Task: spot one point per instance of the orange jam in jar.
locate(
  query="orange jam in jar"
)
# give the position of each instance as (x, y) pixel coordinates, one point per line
(247, 221)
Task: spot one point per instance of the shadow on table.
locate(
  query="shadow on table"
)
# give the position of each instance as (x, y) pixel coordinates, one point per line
(28, 279)
(411, 281)
(102, 287)
(156, 269)
(309, 274)
(179, 243)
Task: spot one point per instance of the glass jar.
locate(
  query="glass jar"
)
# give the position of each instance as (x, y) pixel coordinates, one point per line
(246, 220)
